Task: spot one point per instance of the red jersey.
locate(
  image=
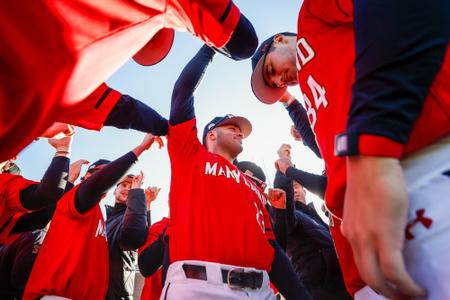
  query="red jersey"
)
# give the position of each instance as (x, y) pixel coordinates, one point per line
(216, 213)
(10, 207)
(325, 59)
(63, 50)
(153, 285)
(73, 260)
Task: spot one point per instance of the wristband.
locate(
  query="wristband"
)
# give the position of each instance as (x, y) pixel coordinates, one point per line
(62, 153)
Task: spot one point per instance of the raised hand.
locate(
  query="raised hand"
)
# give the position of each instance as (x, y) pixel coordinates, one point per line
(277, 198)
(282, 164)
(284, 151)
(75, 169)
(295, 134)
(137, 181)
(62, 146)
(151, 193)
(147, 142)
(58, 130)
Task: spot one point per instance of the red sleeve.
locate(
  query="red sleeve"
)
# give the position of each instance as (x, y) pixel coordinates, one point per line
(10, 207)
(10, 187)
(91, 113)
(373, 145)
(213, 21)
(182, 141)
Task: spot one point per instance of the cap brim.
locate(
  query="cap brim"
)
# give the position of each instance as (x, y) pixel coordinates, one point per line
(244, 125)
(264, 93)
(156, 49)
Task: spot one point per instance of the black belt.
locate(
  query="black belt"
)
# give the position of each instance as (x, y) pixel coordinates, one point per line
(235, 278)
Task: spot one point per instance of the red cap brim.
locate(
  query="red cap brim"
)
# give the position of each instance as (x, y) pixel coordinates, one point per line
(156, 49)
(265, 93)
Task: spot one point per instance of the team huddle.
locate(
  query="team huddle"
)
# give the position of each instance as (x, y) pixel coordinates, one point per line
(375, 84)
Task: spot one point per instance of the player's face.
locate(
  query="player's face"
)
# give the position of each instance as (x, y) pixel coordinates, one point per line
(279, 67)
(121, 192)
(299, 193)
(229, 138)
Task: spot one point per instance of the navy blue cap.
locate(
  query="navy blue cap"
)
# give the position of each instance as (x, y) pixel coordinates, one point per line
(97, 164)
(244, 125)
(256, 171)
(265, 93)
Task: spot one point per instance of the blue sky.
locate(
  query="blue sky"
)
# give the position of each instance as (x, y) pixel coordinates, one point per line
(225, 89)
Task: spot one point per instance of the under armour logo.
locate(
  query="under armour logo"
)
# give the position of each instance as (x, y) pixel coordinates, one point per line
(420, 218)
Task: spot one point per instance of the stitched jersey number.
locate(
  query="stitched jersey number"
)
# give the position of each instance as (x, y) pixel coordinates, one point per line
(318, 93)
(260, 218)
(305, 53)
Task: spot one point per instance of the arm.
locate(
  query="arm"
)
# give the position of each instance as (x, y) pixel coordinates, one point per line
(34, 220)
(392, 82)
(133, 232)
(92, 189)
(283, 276)
(243, 42)
(182, 107)
(298, 115)
(51, 187)
(316, 184)
(151, 258)
(286, 184)
(149, 218)
(390, 86)
(280, 227)
(277, 210)
(53, 183)
(130, 113)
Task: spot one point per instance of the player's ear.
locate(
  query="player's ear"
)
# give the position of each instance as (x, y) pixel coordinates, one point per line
(278, 39)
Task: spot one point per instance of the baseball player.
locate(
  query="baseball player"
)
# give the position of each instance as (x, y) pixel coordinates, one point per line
(126, 231)
(221, 241)
(73, 260)
(19, 196)
(395, 126)
(85, 43)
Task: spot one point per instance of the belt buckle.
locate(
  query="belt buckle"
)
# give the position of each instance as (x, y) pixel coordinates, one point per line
(229, 283)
